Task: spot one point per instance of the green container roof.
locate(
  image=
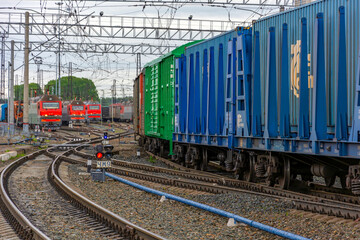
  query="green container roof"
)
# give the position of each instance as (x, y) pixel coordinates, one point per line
(176, 53)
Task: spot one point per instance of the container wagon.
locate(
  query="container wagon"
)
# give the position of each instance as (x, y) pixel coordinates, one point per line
(158, 101)
(121, 112)
(138, 114)
(105, 113)
(45, 112)
(126, 113)
(74, 111)
(273, 102)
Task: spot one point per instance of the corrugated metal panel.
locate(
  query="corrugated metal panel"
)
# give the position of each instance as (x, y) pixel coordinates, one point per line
(330, 10)
(197, 52)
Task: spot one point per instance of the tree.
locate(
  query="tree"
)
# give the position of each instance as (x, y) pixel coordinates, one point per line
(34, 90)
(81, 88)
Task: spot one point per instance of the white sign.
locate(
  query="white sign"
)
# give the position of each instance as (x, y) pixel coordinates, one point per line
(105, 142)
(103, 164)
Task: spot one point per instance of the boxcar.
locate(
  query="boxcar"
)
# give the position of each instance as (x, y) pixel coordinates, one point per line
(136, 94)
(159, 101)
(283, 101)
(105, 113)
(270, 103)
(138, 114)
(208, 96)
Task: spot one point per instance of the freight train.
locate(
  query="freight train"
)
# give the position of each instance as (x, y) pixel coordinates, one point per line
(45, 112)
(273, 102)
(120, 112)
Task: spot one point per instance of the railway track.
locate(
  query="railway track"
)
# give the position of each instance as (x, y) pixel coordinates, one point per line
(334, 205)
(79, 211)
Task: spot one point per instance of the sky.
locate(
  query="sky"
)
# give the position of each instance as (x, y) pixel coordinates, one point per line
(103, 69)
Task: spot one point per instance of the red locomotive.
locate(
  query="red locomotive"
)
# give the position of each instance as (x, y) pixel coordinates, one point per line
(93, 112)
(74, 112)
(46, 112)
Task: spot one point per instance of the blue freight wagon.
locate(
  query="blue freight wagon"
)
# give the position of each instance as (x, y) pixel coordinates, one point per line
(277, 100)
(3, 112)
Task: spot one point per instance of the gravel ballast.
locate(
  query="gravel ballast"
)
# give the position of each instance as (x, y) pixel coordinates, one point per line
(178, 221)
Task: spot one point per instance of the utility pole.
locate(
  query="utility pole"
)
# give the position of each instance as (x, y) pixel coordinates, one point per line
(114, 89)
(38, 62)
(42, 80)
(68, 88)
(2, 84)
(71, 81)
(138, 64)
(112, 105)
(26, 78)
(59, 56)
(56, 74)
(103, 95)
(11, 95)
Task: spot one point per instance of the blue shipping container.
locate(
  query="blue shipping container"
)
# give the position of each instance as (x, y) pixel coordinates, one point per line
(298, 20)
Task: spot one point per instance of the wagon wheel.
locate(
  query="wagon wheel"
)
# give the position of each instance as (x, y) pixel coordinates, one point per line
(343, 181)
(284, 180)
(271, 177)
(204, 160)
(249, 172)
(329, 182)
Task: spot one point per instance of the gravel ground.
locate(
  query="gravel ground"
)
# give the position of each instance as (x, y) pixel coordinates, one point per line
(128, 153)
(178, 221)
(39, 201)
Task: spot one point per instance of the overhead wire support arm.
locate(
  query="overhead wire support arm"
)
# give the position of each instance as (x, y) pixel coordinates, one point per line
(121, 26)
(74, 47)
(253, 3)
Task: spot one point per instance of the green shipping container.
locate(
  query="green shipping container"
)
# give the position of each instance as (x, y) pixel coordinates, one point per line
(159, 95)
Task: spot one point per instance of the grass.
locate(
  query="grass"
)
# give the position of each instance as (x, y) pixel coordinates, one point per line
(18, 156)
(152, 159)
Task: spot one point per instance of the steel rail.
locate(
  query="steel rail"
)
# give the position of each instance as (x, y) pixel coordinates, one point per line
(20, 223)
(24, 228)
(220, 184)
(114, 221)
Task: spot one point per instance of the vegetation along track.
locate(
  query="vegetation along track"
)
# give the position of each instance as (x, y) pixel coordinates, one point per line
(335, 205)
(65, 204)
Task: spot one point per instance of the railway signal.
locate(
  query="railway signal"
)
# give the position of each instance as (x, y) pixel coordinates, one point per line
(105, 135)
(99, 152)
(99, 155)
(108, 151)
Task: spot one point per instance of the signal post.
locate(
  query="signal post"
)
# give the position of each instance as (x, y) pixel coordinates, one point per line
(101, 164)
